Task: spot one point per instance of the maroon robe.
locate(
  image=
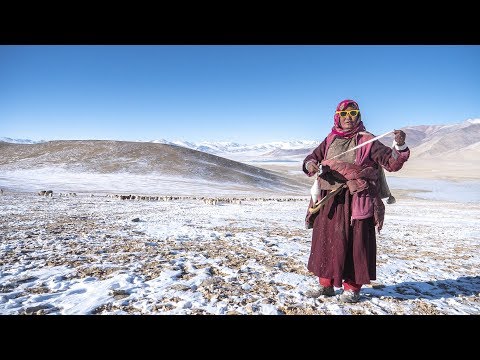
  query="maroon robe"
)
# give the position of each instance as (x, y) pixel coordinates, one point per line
(342, 248)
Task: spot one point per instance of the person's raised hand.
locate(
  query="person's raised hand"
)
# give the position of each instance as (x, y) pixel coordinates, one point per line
(399, 137)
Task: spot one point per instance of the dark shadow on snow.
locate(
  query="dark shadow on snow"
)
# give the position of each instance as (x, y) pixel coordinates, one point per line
(462, 286)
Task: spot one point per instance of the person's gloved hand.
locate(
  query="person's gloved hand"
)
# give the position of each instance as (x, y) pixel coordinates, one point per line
(399, 137)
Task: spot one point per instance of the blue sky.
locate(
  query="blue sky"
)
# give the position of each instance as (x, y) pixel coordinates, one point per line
(246, 94)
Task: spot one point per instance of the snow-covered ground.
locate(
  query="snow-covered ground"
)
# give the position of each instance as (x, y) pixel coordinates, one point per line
(101, 255)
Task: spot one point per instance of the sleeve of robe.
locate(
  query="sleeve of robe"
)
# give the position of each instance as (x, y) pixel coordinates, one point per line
(390, 158)
(316, 156)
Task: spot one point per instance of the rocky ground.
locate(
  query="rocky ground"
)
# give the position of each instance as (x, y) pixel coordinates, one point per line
(93, 254)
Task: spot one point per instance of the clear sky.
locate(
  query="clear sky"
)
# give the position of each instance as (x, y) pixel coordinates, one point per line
(247, 94)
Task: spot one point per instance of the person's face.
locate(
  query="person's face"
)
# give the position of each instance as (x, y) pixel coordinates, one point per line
(348, 121)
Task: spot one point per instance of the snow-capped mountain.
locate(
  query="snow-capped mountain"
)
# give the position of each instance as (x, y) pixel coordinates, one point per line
(431, 140)
(20, 141)
(460, 140)
(224, 147)
(278, 151)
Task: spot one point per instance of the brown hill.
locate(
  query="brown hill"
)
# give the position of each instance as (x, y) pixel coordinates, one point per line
(107, 157)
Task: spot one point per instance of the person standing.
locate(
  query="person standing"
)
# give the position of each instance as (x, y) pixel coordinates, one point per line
(343, 249)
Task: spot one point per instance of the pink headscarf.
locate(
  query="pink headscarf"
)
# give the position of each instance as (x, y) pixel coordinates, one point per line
(337, 129)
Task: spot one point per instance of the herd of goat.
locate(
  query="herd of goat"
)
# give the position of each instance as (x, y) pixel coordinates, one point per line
(206, 200)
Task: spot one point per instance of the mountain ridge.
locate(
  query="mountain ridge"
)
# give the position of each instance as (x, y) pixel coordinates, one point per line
(437, 151)
(416, 135)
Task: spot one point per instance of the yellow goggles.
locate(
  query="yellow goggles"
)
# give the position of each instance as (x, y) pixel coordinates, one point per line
(349, 112)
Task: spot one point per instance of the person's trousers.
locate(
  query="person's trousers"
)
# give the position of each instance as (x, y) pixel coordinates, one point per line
(347, 284)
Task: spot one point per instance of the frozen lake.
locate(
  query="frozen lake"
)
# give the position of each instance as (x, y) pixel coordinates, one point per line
(458, 191)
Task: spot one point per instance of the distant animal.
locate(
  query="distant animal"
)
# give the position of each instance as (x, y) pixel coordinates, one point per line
(46, 193)
(1, 191)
